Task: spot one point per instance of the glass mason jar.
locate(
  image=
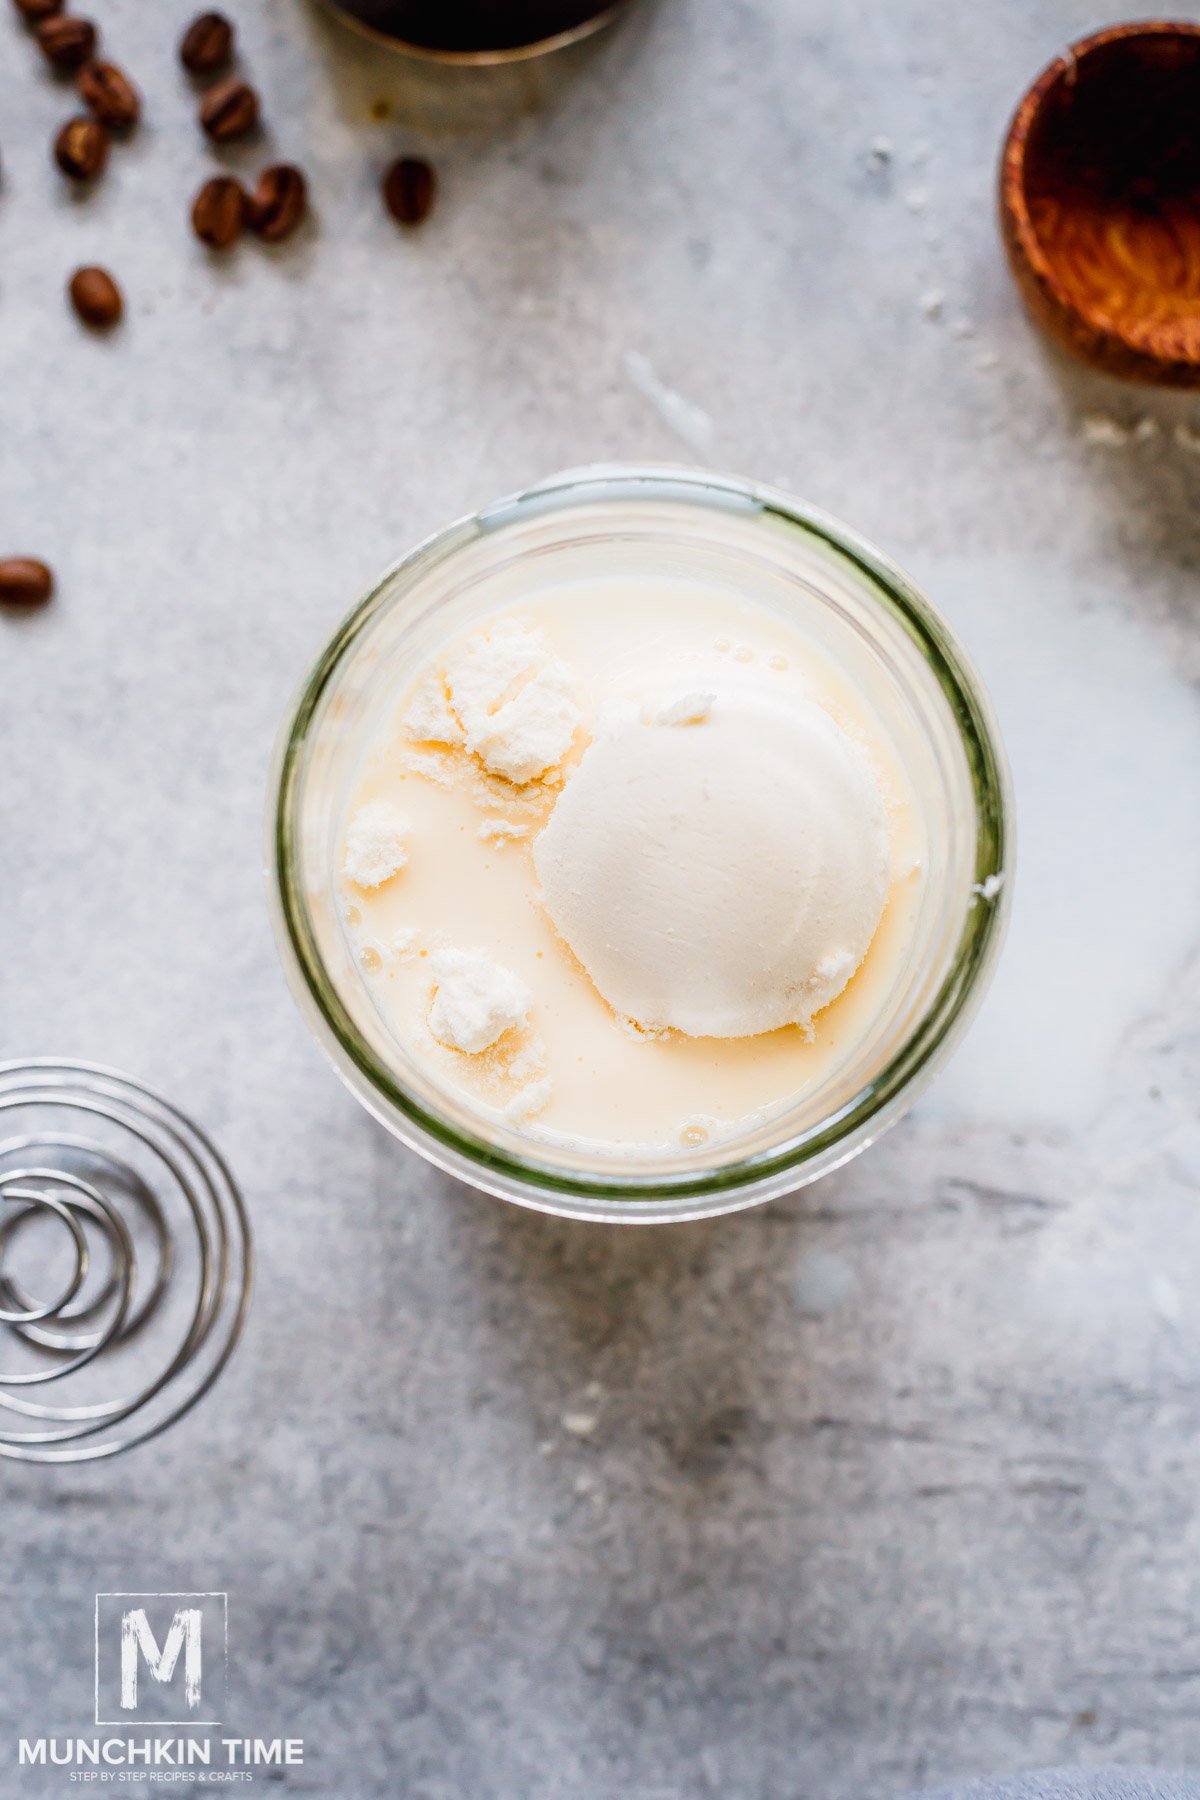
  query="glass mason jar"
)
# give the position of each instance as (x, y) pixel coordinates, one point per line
(465, 67)
(861, 611)
(477, 30)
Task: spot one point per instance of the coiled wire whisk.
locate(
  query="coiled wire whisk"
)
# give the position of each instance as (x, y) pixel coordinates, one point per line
(150, 1279)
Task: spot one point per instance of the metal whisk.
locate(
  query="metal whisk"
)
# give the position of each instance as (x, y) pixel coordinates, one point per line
(159, 1264)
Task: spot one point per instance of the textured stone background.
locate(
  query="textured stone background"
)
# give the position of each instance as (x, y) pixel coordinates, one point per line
(890, 1482)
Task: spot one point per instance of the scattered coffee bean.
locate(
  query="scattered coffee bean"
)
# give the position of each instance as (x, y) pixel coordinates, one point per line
(37, 10)
(278, 203)
(110, 94)
(96, 298)
(24, 581)
(409, 189)
(219, 212)
(207, 44)
(229, 110)
(67, 42)
(81, 148)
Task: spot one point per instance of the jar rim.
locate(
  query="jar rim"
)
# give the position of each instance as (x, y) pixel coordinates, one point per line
(478, 59)
(831, 1140)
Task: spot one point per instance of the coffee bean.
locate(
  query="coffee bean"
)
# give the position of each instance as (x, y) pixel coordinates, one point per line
(409, 189)
(110, 94)
(278, 203)
(36, 10)
(24, 581)
(81, 148)
(207, 44)
(219, 212)
(229, 110)
(96, 298)
(67, 42)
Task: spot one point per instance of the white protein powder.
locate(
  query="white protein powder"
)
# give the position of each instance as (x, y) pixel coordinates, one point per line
(475, 1000)
(375, 844)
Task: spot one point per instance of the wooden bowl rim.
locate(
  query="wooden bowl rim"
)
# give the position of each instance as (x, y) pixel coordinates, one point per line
(1013, 198)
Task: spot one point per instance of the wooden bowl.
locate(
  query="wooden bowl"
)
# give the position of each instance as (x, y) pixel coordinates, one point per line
(1100, 201)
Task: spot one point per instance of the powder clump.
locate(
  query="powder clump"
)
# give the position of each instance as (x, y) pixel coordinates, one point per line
(504, 697)
(375, 844)
(475, 1000)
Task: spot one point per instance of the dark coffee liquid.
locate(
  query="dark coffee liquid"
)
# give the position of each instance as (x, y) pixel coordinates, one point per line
(474, 24)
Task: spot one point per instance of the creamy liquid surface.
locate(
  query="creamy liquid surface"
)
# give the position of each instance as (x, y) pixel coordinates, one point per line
(612, 1086)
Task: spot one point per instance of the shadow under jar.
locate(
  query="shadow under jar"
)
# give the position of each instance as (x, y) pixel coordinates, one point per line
(653, 525)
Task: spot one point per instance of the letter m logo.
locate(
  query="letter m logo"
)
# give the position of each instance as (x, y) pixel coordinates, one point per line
(138, 1641)
(160, 1658)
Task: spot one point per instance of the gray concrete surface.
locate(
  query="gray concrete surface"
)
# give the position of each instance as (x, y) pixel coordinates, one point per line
(890, 1483)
